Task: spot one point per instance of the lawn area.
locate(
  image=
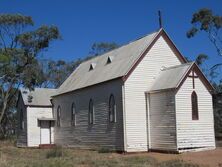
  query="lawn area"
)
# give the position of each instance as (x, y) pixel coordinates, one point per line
(10, 156)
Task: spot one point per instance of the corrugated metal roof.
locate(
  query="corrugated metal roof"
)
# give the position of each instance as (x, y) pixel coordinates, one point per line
(171, 77)
(38, 97)
(123, 58)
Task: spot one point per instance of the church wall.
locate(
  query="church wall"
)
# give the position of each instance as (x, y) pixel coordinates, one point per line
(140, 81)
(194, 133)
(162, 121)
(102, 133)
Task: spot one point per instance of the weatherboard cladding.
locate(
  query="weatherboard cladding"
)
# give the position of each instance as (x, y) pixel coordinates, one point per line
(194, 133)
(123, 59)
(162, 121)
(139, 81)
(102, 133)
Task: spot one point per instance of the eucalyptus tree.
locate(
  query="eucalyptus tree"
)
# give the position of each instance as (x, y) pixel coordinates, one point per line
(20, 45)
(210, 24)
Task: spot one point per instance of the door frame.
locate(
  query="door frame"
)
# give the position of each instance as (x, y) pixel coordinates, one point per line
(50, 133)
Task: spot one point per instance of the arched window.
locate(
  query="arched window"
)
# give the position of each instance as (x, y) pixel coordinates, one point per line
(58, 116)
(73, 115)
(194, 101)
(112, 109)
(91, 112)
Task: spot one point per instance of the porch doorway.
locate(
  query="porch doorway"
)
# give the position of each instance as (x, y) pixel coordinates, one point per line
(46, 131)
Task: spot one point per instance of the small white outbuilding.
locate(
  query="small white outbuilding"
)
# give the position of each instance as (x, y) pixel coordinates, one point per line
(36, 121)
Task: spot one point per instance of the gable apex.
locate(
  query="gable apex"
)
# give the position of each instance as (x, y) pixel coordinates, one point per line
(160, 33)
(195, 68)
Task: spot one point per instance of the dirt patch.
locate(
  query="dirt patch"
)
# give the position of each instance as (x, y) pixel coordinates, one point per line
(212, 158)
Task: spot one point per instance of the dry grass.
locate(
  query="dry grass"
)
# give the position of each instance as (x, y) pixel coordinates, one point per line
(11, 156)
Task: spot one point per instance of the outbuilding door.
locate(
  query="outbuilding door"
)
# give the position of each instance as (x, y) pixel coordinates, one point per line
(45, 132)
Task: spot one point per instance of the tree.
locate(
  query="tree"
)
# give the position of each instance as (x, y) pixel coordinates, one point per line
(19, 49)
(205, 21)
(53, 73)
(201, 58)
(102, 47)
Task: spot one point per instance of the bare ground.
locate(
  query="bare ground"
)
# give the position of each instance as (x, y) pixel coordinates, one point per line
(212, 158)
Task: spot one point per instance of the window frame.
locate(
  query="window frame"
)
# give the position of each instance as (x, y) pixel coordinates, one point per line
(58, 115)
(112, 109)
(91, 116)
(73, 114)
(194, 106)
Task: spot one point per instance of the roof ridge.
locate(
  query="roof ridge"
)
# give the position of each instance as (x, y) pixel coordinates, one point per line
(132, 41)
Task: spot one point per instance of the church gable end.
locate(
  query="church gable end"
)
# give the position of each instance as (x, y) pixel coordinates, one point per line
(162, 34)
(194, 112)
(138, 80)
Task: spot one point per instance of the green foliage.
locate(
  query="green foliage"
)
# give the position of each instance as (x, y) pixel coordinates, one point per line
(104, 150)
(209, 23)
(53, 73)
(201, 58)
(102, 47)
(15, 19)
(206, 21)
(19, 50)
(55, 152)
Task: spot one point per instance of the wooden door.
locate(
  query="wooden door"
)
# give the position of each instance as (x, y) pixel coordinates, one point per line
(45, 132)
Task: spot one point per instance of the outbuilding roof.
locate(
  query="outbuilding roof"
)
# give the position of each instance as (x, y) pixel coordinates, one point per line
(37, 97)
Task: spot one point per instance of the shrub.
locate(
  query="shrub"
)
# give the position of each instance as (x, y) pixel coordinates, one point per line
(104, 150)
(55, 152)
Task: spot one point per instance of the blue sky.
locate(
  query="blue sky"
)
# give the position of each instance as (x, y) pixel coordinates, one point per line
(83, 22)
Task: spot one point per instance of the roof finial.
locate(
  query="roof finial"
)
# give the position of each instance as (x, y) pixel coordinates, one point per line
(160, 19)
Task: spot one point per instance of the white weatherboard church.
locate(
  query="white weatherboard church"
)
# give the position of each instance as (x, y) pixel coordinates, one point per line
(142, 96)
